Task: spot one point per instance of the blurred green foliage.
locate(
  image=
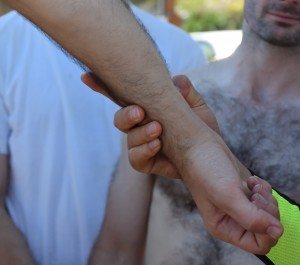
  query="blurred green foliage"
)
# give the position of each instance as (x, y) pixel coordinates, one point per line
(3, 7)
(200, 15)
(205, 15)
(211, 20)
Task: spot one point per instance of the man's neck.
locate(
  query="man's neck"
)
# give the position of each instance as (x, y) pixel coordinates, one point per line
(270, 71)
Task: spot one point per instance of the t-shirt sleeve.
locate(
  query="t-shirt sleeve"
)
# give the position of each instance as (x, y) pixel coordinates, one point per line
(4, 127)
(187, 56)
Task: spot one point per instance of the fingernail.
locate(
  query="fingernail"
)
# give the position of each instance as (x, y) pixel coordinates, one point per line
(134, 114)
(151, 129)
(154, 144)
(257, 188)
(274, 232)
(253, 178)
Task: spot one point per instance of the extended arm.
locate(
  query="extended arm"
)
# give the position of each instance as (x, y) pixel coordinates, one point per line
(13, 247)
(123, 234)
(104, 35)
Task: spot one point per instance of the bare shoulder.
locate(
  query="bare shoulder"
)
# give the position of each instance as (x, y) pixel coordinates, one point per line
(214, 75)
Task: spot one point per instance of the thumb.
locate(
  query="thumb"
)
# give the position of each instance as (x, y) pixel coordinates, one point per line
(95, 84)
(188, 91)
(195, 101)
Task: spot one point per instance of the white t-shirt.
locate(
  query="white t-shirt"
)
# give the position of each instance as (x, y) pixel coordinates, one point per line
(181, 53)
(59, 134)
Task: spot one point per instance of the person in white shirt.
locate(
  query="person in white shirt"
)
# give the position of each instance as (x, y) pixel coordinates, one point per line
(60, 155)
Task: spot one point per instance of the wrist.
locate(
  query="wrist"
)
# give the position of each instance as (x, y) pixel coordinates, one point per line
(209, 156)
(182, 129)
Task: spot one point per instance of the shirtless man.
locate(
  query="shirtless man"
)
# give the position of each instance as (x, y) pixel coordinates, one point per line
(39, 139)
(104, 36)
(259, 117)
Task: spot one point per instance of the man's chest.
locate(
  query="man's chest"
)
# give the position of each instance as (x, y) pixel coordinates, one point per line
(265, 139)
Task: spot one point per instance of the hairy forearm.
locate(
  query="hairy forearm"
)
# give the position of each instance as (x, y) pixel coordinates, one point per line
(105, 37)
(13, 247)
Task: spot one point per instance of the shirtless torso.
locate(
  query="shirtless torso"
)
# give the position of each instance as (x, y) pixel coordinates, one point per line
(262, 130)
(255, 95)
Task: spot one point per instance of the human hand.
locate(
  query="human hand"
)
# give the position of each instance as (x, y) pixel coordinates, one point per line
(215, 179)
(144, 145)
(262, 195)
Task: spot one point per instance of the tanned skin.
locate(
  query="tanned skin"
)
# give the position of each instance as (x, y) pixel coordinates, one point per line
(13, 246)
(104, 35)
(255, 96)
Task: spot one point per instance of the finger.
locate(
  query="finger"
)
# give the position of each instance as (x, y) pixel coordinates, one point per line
(258, 185)
(256, 243)
(145, 158)
(254, 180)
(265, 193)
(144, 134)
(265, 205)
(195, 101)
(258, 236)
(236, 235)
(237, 205)
(188, 91)
(142, 157)
(98, 86)
(126, 118)
(163, 167)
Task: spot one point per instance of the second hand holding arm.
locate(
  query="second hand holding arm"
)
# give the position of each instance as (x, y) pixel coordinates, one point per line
(104, 35)
(144, 147)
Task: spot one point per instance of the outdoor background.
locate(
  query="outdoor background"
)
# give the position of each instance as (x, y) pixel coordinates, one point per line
(196, 15)
(214, 24)
(3, 7)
